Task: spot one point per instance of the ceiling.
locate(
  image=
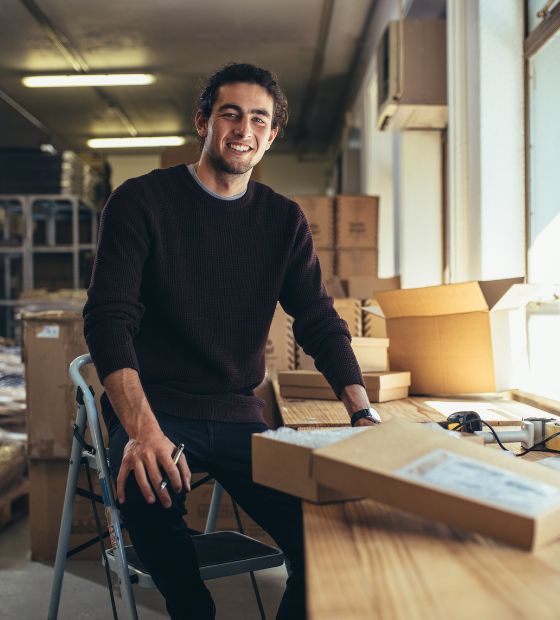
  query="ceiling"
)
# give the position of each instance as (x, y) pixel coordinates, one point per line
(312, 45)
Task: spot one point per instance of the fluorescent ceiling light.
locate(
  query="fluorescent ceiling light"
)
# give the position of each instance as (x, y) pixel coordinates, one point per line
(88, 79)
(122, 143)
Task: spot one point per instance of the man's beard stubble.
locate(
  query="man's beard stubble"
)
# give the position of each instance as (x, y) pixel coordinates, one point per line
(221, 165)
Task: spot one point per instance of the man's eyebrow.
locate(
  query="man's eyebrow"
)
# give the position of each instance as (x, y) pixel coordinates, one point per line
(234, 106)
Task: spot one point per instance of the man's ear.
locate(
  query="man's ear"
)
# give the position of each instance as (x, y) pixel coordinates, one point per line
(272, 137)
(201, 124)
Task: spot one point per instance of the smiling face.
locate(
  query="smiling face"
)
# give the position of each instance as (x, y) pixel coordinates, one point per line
(239, 129)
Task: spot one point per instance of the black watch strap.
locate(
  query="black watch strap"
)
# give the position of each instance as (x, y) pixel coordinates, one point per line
(362, 413)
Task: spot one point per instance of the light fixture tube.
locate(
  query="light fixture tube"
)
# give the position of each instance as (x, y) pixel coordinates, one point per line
(88, 79)
(123, 143)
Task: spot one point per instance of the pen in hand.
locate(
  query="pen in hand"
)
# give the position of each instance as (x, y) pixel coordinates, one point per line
(176, 457)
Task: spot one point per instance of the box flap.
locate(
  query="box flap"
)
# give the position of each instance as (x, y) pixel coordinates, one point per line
(494, 290)
(374, 308)
(432, 300)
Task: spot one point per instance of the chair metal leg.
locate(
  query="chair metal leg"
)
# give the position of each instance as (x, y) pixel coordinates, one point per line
(214, 507)
(66, 521)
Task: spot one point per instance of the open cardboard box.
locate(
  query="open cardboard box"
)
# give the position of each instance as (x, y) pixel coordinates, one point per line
(459, 338)
(380, 386)
(435, 474)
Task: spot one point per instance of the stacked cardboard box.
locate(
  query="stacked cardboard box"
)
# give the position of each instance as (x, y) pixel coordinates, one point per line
(319, 211)
(356, 235)
(51, 340)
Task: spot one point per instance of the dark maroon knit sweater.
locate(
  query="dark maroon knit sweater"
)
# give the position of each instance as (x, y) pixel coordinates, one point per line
(184, 288)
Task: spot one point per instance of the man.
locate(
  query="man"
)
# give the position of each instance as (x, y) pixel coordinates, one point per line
(190, 266)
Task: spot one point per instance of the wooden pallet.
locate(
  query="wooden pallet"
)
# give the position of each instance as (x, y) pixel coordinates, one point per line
(14, 503)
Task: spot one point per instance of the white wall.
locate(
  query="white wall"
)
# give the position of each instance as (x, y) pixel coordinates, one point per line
(289, 175)
(486, 140)
(124, 167)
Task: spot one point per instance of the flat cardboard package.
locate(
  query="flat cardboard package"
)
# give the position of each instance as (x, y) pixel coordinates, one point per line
(365, 287)
(287, 467)
(356, 262)
(319, 211)
(47, 480)
(51, 340)
(380, 386)
(371, 353)
(280, 352)
(459, 338)
(356, 221)
(433, 474)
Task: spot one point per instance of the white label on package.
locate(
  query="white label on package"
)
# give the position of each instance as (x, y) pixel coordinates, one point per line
(49, 331)
(481, 482)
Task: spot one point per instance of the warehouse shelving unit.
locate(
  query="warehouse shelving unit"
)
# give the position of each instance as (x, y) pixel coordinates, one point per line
(46, 241)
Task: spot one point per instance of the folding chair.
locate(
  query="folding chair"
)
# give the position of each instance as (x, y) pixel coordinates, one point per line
(219, 554)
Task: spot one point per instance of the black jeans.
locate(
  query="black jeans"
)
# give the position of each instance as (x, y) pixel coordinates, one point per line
(160, 536)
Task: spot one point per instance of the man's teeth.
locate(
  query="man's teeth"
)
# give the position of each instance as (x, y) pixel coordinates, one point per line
(239, 147)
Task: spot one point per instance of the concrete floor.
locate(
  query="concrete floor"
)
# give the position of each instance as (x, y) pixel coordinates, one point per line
(25, 588)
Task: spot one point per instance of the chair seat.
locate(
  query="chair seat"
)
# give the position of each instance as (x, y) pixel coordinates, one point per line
(220, 554)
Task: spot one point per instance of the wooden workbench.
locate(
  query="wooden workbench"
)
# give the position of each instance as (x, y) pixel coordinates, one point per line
(366, 560)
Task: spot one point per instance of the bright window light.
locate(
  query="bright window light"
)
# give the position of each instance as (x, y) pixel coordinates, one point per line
(120, 143)
(88, 79)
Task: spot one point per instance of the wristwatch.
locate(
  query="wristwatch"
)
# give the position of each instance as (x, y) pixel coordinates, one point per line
(369, 414)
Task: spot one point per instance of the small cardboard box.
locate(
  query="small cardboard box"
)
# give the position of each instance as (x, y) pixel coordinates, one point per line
(365, 287)
(371, 353)
(287, 467)
(352, 262)
(434, 474)
(380, 386)
(280, 352)
(356, 222)
(459, 338)
(51, 340)
(319, 211)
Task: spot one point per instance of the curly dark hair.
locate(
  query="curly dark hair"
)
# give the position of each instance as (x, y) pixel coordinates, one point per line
(242, 72)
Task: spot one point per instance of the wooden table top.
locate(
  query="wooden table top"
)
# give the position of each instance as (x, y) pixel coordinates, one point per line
(366, 560)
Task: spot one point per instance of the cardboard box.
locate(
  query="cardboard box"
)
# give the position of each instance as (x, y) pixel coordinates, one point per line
(287, 467)
(326, 259)
(51, 340)
(380, 386)
(373, 321)
(356, 222)
(198, 504)
(47, 480)
(319, 211)
(365, 287)
(280, 353)
(459, 338)
(371, 353)
(355, 262)
(433, 474)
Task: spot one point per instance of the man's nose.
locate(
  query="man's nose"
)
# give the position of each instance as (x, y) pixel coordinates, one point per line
(243, 127)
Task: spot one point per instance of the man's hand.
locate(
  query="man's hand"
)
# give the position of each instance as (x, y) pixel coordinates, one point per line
(366, 422)
(144, 456)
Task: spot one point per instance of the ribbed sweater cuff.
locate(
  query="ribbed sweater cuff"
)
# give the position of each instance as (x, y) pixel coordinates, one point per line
(117, 354)
(346, 370)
